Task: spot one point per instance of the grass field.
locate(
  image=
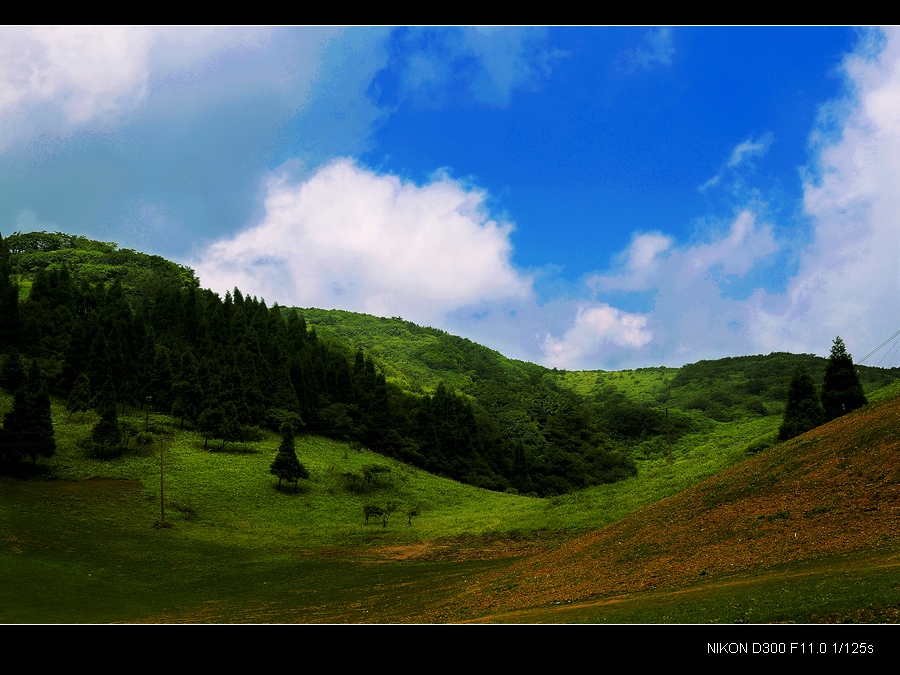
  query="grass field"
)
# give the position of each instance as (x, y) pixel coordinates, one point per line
(79, 540)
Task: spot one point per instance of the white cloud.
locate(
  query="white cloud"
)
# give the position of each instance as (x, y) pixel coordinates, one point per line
(58, 78)
(595, 327)
(741, 155)
(750, 148)
(84, 70)
(647, 268)
(641, 260)
(693, 291)
(656, 48)
(849, 276)
(352, 239)
(511, 58)
(433, 65)
(690, 287)
(846, 280)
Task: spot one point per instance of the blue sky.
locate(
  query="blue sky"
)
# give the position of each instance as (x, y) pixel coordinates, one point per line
(579, 197)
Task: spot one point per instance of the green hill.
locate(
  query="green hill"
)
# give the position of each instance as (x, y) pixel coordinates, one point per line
(777, 537)
(397, 417)
(774, 538)
(417, 358)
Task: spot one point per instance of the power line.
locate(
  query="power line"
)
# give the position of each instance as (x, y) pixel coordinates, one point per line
(895, 350)
(879, 347)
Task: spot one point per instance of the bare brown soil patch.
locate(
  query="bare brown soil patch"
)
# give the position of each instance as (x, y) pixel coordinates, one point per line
(462, 548)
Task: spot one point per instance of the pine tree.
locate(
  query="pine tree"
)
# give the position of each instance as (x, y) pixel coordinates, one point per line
(286, 466)
(188, 395)
(9, 301)
(106, 436)
(229, 428)
(28, 427)
(841, 389)
(15, 426)
(12, 376)
(803, 411)
(41, 441)
(79, 399)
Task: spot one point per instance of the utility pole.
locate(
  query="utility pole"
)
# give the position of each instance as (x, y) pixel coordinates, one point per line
(161, 523)
(162, 501)
(668, 437)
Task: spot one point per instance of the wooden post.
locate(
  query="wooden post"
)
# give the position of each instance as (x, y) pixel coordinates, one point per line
(162, 501)
(668, 437)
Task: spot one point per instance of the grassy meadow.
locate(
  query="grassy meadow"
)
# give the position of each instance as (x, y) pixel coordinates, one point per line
(80, 541)
(88, 540)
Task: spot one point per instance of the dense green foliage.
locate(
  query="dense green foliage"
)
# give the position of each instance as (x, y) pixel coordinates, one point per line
(637, 413)
(803, 411)
(142, 346)
(27, 428)
(83, 550)
(97, 314)
(730, 388)
(9, 300)
(516, 427)
(92, 313)
(92, 262)
(286, 466)
(842, 391)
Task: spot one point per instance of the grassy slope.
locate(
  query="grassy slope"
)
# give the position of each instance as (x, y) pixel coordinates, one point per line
(805, 530)
(89, 533)
(86, 551)
(82, 548)
(416, 358)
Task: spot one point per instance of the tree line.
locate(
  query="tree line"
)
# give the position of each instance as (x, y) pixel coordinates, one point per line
(104, 329)
(808, 407)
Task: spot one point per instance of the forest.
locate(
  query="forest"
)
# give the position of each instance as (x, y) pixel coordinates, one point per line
(107, 328)
(299, 445)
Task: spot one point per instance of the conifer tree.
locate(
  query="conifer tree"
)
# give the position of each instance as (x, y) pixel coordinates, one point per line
(286, 466)
(209, 422)
(12, 376)
(841, 389)
(803, 411)
(229, 427)
(9, 301)
(106, 436)
(15, 427)
(188, 395)
(79, 399)
(28, 427)
(41, 441)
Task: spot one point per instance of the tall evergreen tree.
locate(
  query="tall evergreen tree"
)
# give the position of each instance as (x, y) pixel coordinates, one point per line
(41, 442)
(841, 389)
(28, 427)
(79, 399)
(12, 376)
(9, 301)
(803, 411)
(106, 436)
(188, 394)
(229, 427)
(286, 466)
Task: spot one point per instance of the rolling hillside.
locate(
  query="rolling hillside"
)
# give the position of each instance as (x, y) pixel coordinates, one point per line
(417, 358)
(830, 495)
(701, 516)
